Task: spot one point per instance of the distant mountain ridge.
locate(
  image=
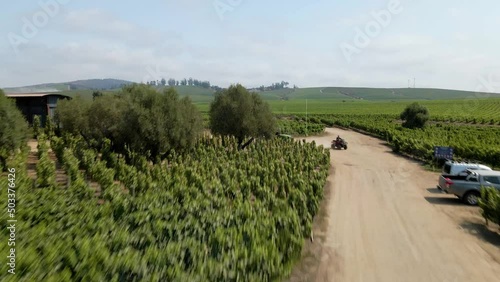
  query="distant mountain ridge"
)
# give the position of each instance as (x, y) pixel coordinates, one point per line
(87, 84)
(205, 95)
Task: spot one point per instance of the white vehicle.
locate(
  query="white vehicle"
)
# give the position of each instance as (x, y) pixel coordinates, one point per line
(451, 168)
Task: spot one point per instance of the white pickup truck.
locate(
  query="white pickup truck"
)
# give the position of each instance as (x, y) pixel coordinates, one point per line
(452, 168)
(458, 171)
(469, 189)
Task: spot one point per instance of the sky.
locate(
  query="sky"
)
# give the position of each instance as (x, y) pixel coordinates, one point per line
(314, 43)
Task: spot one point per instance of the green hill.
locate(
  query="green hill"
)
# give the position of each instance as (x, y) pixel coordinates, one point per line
(370, 94)
(87, 84)
(317, 97)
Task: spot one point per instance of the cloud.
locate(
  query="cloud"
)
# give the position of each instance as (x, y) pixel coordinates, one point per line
(102, 24)
(455, 12)
(460, 36)
(94, 43)
(238, 61)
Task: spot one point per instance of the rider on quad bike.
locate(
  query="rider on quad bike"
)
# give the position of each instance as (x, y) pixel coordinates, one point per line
(339, 143)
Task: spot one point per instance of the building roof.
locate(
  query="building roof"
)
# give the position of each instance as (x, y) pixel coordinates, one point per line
(41, 94)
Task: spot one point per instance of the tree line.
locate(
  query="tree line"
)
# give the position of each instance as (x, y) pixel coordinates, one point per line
(183, 82)
(276, 86)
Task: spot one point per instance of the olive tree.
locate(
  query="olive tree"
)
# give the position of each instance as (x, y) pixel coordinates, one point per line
(158, 122)
(72, 115)
(138, 118)
(241, 114)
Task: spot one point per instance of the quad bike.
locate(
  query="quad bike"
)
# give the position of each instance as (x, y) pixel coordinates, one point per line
(339, 144)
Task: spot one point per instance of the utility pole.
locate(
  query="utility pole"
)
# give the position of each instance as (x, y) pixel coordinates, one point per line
(306, 119)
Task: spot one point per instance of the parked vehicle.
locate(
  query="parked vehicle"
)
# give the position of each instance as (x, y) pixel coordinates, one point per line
(468, 189)
(452, 168)
(458, 171)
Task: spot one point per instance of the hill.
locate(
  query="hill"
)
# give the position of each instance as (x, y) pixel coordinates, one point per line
(88, 84)
(370, 94)
(317, 96)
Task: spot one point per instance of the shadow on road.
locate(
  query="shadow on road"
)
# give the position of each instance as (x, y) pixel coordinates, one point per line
(435, 191)
(482, 232)
(445, 201)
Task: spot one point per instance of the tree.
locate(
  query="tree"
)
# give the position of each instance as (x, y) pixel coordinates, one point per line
(163, 82)
(72, 115)
(103, 117)
(157, 123)
(239, 113)
(414, 116)
(13, 129)
(96, 94)
(139, 118)
(171, 82)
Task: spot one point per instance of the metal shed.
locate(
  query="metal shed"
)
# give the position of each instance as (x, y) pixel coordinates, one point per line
(41, 104)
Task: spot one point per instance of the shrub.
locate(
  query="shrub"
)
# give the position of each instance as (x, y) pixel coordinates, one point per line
(14, 130)
(45, 172)
(415, 116)
(36, 126)
(490, 204)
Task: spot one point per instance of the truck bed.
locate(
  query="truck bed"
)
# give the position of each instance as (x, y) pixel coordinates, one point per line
(444, 177)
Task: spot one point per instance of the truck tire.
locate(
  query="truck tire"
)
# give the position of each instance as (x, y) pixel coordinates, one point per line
(471, 198)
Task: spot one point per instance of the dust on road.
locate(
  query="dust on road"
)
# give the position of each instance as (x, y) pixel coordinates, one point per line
(382, 220)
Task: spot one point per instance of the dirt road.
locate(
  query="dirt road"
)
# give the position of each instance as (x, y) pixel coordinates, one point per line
(383, 220)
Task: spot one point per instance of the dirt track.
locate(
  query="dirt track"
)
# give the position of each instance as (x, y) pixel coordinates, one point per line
(383, 220)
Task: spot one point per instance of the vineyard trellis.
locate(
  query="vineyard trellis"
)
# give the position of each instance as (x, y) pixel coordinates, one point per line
(215, 214)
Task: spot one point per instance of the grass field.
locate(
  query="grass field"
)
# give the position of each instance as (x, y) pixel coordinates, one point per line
(463, 106)
(372, 94)
(199, 94)
(453, 110)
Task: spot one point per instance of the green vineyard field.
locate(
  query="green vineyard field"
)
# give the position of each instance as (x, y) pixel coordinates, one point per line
(216, 214)
(472, 111)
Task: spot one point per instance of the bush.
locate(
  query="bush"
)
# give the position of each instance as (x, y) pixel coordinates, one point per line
(36, 126)
(415, 116)
(49, 127)
(71, 165)
(45, 172)
(58, 146)
(490, 204)
(14, 130)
